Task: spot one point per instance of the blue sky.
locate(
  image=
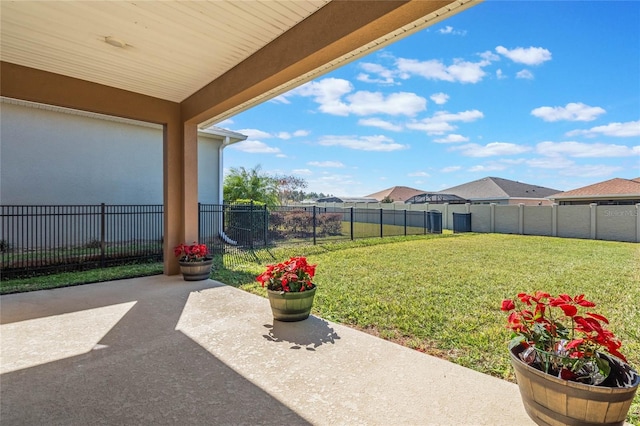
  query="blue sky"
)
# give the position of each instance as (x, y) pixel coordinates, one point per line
(541, 92)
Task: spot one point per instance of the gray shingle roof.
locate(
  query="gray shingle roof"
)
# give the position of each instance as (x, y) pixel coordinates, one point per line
(494, 187)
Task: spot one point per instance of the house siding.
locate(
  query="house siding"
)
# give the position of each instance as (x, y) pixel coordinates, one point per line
(53, 157)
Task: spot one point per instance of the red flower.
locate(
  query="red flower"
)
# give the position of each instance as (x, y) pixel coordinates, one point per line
(508, 305)
(293, 275)
(569, 310)
(559, 325)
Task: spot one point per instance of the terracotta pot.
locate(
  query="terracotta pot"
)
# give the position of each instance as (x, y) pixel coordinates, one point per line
(550, 400)
(196, 271)
(291, 306)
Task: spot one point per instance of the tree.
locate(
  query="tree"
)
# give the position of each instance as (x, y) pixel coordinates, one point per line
(289, 188)
(251, 184)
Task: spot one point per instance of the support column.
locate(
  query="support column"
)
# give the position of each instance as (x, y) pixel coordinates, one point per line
(172, 194)
(190, 182)
(180, 174)
(521, 219)
(492, 217)
(594, 225)
(554, 220)
(638, 223)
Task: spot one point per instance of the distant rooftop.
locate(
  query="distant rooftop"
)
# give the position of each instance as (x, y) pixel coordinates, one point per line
(498, 188)
(615, 187)
(346, 200)
(396, 193)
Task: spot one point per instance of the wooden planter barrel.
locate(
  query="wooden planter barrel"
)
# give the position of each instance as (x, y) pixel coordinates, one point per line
(552, 401)
(196, 271)
(291, 306)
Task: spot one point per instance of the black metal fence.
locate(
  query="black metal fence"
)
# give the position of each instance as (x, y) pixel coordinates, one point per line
(43, 239)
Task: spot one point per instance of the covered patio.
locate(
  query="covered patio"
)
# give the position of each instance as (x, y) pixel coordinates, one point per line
(159, 350)
(187, 65)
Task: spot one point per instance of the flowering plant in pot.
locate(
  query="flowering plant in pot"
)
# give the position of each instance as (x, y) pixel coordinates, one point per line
(563, 356)
(191, 253)
(195, 262)
(290, 288)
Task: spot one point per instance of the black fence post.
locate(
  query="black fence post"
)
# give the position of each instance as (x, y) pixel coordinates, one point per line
(314, 225)
(405, 223)
(381, 223)
(251, 224)
(424, 228)
(102, 234)
(351, 223)
(199, 223)
(266, 225)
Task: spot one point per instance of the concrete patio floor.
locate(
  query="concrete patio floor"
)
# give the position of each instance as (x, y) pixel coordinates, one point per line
(159, 350)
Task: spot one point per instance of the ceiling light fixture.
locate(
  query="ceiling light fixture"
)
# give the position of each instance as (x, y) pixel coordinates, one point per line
(114, 42)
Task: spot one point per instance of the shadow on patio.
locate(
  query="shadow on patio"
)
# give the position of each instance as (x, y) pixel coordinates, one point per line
(158, 350)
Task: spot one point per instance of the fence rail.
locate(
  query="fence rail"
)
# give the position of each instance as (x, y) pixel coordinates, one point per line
(43, 239)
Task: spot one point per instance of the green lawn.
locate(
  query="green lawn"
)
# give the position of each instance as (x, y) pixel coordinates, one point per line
(441, 294)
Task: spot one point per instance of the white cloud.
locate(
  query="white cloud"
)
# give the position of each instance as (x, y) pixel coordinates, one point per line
(491, 149)
(628, 129)
(450, 169)
(527, 56)
(255, 147)
(255, 134)
(440, 122)
(333, 164)
(400, 103)
(460, 71)
(382, 124)
(301, 133)
(284, 135)
(525, 74)
(329, 93)
(305, 172)
(439, 98)
(452, 138)
(385, 75)
(573, 111)
(450, 30)
(586, 150)
(591, 170)
(550, 163)
(500, 75)
(363, 143)
(487, 167)
(432, 128)
(419, 174)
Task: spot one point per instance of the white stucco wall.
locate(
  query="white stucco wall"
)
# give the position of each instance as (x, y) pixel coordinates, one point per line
(53, 157)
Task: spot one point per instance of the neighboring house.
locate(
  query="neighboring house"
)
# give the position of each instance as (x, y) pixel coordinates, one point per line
(52, 155)
(501, 191)
(398, 194)
(435, 198)
(346, 200)
(615, 191)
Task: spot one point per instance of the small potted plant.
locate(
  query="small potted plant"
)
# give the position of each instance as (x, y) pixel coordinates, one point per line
(568, 365)
(195, 262)
(290, 288)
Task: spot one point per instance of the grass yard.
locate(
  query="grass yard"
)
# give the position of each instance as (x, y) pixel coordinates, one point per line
(441, 294)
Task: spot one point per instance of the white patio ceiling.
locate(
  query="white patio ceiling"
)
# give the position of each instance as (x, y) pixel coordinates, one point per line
(171, 49)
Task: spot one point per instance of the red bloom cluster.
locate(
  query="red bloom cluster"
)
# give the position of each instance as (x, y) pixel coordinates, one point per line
(193, 253)
(548, 322)
(293, 275)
